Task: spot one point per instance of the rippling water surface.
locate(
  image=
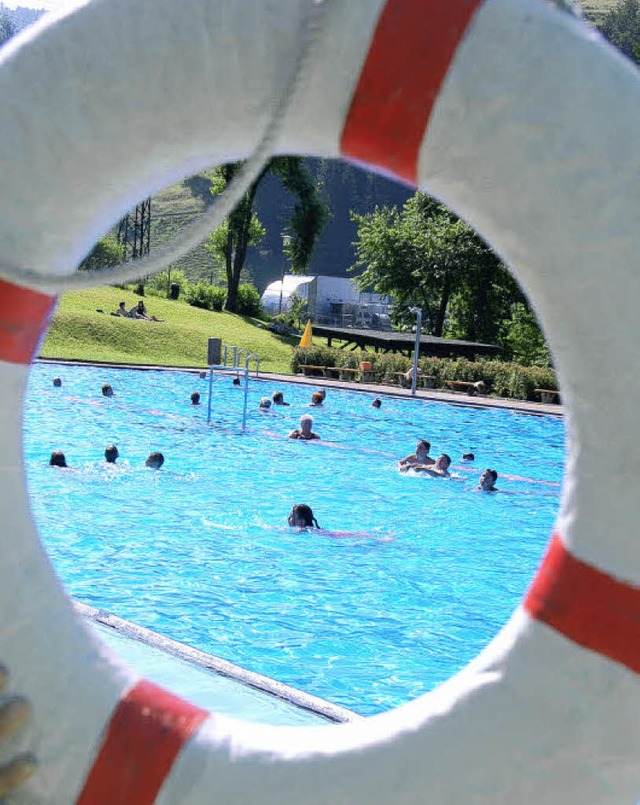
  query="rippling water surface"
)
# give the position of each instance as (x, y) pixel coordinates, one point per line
(414, 577)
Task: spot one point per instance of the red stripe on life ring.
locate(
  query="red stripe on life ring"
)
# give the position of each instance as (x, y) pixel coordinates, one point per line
(144, 736)
(587, 606)
(409, 56)
(24, 315)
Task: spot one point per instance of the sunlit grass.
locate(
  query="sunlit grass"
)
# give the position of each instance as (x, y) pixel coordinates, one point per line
(79, 332)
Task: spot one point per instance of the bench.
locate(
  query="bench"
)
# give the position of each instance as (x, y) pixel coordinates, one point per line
(341, 372)
(464, 386)
(548, 395)
(310, 369)
(425, 381)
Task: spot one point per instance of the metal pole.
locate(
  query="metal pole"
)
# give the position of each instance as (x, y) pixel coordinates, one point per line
(286, 240)
(416, 349)
(210, 395)
(246, 392)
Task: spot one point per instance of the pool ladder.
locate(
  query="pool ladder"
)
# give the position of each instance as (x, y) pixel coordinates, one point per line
(237, 354)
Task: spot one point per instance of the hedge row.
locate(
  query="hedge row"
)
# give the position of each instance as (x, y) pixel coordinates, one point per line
(509, 380)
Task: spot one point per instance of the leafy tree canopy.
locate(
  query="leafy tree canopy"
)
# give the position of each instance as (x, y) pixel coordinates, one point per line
(229, 243)
(7, 28)
(424, 255)
(621, 26)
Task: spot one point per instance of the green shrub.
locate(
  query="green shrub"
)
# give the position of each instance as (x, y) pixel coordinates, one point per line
(205, 296)
(503, 379)
(160, 284)
(249, 303)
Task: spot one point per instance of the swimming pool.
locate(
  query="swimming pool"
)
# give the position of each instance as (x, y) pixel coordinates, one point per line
(200, 550)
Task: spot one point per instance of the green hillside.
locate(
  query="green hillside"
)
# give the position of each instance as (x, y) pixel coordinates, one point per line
(597, 8)
(79, 332)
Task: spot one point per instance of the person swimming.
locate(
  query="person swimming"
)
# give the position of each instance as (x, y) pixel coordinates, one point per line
(195, 398)
(487, 481)
(58, 459)
(111, 454)
(304, 431)
(440, 469)
(154, 461)
(420, 458)
(107, 390)
(316, 399)
(264, 404)
(301, 516)
(278, 398)
(377, 403)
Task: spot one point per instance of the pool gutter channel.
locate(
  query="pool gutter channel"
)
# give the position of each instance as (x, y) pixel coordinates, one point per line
(211, 663)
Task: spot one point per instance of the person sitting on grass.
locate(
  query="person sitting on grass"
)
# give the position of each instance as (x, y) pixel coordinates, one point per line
(111, 454)
(154, 461)
(304, 431)
(58, 459)
(121, 311)
(302, 517)
(139, 311)
(420, 458)
(487, 481)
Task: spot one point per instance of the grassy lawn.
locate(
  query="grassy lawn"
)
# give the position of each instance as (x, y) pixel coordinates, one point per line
(79, 332)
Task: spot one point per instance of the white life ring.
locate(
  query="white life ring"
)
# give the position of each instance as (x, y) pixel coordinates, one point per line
(522, 120)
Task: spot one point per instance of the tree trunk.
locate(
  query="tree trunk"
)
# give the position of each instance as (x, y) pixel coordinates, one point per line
(438, 325)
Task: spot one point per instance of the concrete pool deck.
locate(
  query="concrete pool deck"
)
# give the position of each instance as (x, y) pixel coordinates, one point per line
(377, 389)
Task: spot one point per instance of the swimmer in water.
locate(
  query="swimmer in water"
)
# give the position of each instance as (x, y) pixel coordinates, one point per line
(438, 470)
(316, 399)
(304, 431)
(420, 458)
(487, 481)
(302, 517)
(264, 404)
(278, 398)
(111, 454)
(57, 382)
(57, 459)
(107, 390)
(154, 461)
(195, 398)
(377, 403)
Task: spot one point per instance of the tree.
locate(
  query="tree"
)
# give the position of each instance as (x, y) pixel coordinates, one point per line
(229, 243)
(426, 256)
(297, 308)
(7, 28)
(106, 252)
(621, 26)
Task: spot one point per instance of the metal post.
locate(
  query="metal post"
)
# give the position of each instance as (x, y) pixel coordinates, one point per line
(246, 392)
(286, 240)
(416, 349)
(210, 395)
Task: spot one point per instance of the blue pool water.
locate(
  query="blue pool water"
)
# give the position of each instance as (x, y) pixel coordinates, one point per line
(426, 573)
